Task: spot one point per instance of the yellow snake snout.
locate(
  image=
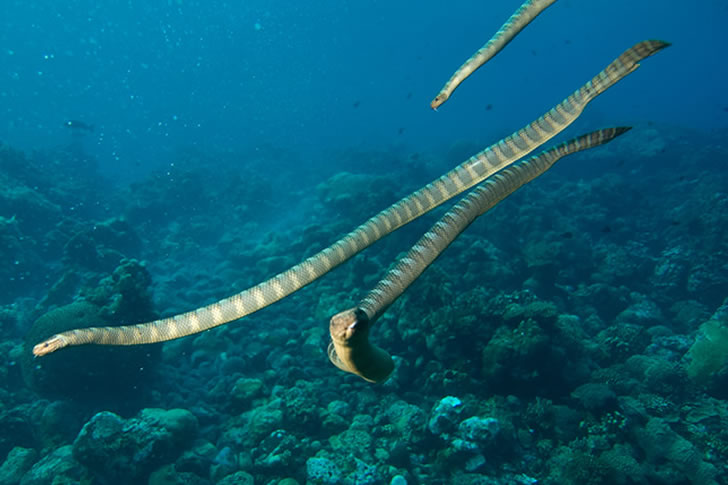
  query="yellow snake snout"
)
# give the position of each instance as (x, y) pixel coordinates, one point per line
(51, 345)
(351, 351)
(439, 99)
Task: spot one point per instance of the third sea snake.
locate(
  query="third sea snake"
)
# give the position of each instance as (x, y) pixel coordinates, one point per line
(350, 349)
(466, 175)
(520, 19)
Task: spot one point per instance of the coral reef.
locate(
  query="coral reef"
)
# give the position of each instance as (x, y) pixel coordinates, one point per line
(18, 462)
(125, 296)
(708, 356)
(58, 467)
(576, 336)
(125, 451)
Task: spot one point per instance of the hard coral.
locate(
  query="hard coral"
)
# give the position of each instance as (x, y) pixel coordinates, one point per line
(709, 354)
(127, 451)
(96, 371)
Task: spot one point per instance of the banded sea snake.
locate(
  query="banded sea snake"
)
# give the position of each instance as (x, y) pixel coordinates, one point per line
(350, 349)
(517, 22)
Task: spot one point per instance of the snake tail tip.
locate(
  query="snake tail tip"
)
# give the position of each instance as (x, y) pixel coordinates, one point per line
(660, 44)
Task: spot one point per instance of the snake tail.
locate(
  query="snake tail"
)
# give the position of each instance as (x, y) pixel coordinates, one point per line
(350, 349)
(517, 22)
(464, 176)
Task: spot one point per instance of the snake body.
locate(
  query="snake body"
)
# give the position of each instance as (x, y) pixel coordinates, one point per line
(350, 349)
(464, 176)
(520, 19)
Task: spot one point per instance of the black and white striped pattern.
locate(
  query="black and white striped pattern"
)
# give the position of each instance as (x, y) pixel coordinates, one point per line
(350, 348)
(481, 199)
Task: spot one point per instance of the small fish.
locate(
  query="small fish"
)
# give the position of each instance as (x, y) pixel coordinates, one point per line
(567, 235)
(356, 104)
(606, 229)
(488, 107)
(78, 125)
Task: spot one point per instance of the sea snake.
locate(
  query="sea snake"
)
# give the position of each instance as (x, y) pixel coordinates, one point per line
(520, 19)
(350, 349)
(464, 176)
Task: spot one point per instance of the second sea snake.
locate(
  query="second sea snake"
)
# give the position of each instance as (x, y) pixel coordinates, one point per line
(520, 19)
(464, 176)
(350, 349)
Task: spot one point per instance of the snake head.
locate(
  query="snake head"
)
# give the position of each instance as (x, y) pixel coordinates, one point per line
(348, 325)
(351, 351)
(439, 99)
(49, 345)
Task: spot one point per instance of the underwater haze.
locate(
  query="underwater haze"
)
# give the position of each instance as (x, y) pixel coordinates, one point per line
(154, 76)
(156, 157)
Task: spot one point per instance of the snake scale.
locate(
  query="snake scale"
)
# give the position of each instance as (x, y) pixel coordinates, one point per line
(350, 349)
(464, 176)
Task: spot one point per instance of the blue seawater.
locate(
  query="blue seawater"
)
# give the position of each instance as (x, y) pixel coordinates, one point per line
(156, 157)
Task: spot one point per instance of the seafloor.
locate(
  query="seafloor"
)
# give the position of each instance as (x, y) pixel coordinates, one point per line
(576, 334)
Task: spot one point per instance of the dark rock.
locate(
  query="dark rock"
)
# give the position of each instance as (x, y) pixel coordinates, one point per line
(59, 467)
(112, 373)
(127, 451)
(169, 475)
(237, 478)
(198, 459)
(19, 461)
(15, 430)
(595, 397)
